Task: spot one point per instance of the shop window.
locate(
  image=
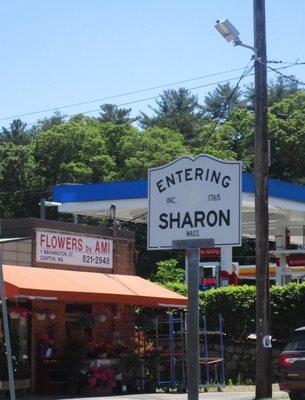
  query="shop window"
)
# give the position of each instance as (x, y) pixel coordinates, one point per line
(78, 321)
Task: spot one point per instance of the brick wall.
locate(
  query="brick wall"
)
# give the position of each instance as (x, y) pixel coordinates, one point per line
(17, 253)
(24, 253)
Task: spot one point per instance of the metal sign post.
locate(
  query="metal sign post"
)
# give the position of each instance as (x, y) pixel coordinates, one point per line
(193, 256)
(7, 341)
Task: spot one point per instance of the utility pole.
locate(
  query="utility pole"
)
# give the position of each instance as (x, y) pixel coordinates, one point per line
(263, 340)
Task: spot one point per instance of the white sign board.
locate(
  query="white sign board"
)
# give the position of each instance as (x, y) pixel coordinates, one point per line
(196, 198)
(69, 249)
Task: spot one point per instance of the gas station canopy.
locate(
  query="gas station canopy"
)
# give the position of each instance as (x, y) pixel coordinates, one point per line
(286, 203)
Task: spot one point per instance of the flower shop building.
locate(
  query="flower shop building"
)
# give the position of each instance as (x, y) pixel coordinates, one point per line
(71, 292)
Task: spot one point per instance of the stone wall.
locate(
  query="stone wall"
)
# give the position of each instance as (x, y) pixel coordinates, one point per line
(240, 361)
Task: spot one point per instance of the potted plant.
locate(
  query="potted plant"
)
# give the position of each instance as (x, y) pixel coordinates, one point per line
(45, 345)
(13, 313)
(44, 313)
(105, 312)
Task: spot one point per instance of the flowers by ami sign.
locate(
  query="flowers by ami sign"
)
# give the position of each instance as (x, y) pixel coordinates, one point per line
(69, 249)
(195, 198)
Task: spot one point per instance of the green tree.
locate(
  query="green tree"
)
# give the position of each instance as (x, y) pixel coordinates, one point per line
(150, 148)
(47, 123)
(116, 136)
(169, 271)
(112, 113)
(287, 137)
(17, 133)
(222, 102)
(73, 152)
(278, 89)
(178, 110)
(19, 196)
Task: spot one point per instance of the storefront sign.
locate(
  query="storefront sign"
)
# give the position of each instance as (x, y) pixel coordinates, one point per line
(293, 261)
(194, 199)
(210, 252)
(69, 249)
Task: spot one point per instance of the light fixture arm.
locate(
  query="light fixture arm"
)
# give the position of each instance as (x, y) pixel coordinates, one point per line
(240, 43)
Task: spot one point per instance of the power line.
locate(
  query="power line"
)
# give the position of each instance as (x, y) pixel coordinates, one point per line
(119, 95)
(289, 77)
(158, 96)
(140, 100)
(145, 99)
(246, 72)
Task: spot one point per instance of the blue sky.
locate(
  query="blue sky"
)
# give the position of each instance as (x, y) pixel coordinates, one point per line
(59, 52)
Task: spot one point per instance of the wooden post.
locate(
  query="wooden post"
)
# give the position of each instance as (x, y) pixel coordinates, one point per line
(263, 351)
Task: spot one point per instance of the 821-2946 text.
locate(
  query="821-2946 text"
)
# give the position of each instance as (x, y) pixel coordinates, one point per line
(96, 260)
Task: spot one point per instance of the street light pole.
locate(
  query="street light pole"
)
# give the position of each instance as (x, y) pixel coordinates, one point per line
(263, 339)
(261, 162)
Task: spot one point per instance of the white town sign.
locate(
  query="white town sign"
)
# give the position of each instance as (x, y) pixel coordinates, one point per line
(194, 198)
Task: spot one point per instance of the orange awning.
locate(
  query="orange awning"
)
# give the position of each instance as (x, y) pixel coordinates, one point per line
(88, 287)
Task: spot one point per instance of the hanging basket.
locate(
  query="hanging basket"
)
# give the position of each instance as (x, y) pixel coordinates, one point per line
(40, 316)
(14, 315)
(102, 318)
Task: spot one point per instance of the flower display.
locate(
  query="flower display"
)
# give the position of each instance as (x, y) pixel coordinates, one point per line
(21, 365)
(17, 312)
(100, 376)
(43, 313)
(106, 349)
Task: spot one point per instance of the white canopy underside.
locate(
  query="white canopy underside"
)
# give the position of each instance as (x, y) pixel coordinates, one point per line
(282, 214)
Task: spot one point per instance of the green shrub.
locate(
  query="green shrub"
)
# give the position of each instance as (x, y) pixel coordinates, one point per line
(177, 287)
(288, 309)
(237, 306)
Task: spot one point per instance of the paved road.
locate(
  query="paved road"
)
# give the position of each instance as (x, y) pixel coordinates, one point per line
(203, 396)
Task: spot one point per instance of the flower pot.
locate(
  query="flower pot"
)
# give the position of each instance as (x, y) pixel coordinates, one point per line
(52, 315)
(40, 316)
(14, 315)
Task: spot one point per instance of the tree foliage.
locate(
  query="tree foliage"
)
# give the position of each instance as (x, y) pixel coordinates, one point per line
(16, 133)
(112, 113)
(18, 180)
(169, 271)
(73, 152)
(222, 102)
(177, 110)
(150, 148)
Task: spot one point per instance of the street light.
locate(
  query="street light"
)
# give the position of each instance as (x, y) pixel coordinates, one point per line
(227, 30)
(231, 34)
(261, 163)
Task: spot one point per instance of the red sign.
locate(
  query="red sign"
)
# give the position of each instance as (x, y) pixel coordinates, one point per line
(293, 261)
(210, 252)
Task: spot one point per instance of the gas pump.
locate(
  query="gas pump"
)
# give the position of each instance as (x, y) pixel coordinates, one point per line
(208, 275)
